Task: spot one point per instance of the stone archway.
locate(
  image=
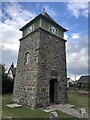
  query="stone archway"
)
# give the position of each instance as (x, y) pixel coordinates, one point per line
(53, 90)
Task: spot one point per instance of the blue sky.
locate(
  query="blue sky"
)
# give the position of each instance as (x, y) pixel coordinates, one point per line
(71, 15)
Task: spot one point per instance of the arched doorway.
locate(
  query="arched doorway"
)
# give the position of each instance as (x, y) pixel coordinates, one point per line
(53, 90)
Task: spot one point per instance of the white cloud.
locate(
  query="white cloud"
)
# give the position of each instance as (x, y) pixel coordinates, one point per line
(10, 27)
(77, 56)
(18, 15)
(75, 36)
(78, 8)
(8, 46)
(74, 77)
(9, 33)
(85, 13)
(66, 36)
(9, 39)
(0, 13)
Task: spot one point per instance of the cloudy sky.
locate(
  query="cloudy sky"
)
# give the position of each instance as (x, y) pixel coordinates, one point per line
(71, 15)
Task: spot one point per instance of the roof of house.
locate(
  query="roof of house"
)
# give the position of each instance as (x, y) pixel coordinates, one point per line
(84, 79)
(12, 69)
(69, 79)
(45, 16)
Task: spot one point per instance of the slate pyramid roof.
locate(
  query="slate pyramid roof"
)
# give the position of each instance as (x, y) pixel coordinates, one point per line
(45, 16)
(84, 79)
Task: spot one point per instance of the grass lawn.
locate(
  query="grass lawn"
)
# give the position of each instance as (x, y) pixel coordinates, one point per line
(78, 100)
(24, 112)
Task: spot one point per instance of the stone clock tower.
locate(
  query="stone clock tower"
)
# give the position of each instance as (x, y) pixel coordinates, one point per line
(41, 76)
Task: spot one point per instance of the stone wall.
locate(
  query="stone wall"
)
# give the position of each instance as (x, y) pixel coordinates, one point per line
(26, 74)
(32, 83)
(52, 55)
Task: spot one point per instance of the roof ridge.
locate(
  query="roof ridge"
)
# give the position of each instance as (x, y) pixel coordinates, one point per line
(45, 14)
(48, 16)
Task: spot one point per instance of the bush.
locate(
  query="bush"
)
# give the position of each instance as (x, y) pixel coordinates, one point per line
(85, 86)
(7, 85)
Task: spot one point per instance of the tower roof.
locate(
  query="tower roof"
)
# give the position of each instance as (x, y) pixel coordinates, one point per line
(45, 16)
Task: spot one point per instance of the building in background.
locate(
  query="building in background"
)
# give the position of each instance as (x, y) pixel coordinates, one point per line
(12, 71)
(84, 79)
(70, 82)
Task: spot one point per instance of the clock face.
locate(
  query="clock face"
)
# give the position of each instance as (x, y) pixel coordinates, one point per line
(53, 30)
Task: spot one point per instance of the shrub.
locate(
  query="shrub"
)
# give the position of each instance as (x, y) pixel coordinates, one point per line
(7, 85)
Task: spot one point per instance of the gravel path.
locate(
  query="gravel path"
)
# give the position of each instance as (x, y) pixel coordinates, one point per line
(67, 109)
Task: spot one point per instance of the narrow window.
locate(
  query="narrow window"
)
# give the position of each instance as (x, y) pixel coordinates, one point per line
(30, 29)
(27, 58)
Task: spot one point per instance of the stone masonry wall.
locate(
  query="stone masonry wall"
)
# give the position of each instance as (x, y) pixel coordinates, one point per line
(52, 55)
(26, 74)
(32, 83)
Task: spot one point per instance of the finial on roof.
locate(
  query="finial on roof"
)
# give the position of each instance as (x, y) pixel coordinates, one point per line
(43, 11)
(12, 65)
